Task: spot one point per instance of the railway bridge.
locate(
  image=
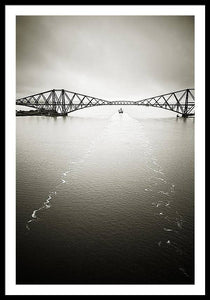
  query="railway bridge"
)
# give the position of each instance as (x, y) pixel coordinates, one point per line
(62, 102)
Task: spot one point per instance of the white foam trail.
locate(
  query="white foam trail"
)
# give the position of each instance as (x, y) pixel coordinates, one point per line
(159, 214)
(35, 211)
(167, 229)
(164, 193)
(47, 203)
(161, 179)
(46, 206)
(48, 199)
(159, 203)
(34, 214)
(184, 272)
(66, 172)
(30, 221)
(158, 178)
(28, 227)
(179, 223)
(174, 245)
(158, 171)
(173, 188)
(148, 190)
(168, 190)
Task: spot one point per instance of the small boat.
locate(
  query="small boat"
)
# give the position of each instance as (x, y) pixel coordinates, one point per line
(120, 111)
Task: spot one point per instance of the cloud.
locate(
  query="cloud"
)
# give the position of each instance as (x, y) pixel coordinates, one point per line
(110, 56)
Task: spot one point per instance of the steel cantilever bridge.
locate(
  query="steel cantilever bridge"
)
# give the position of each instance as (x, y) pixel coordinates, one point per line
(62, 102)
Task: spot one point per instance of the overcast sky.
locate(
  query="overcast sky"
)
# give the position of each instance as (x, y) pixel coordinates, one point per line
(110, 57)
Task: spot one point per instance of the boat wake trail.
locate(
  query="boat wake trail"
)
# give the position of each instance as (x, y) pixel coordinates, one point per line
(63, 179)
(163, 195)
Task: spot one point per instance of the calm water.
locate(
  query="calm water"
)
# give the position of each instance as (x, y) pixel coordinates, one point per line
(105, 198)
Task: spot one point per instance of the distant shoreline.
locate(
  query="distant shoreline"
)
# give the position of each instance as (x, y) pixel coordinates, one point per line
(38, 113)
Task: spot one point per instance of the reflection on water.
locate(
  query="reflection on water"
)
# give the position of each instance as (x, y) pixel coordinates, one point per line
(106, 199)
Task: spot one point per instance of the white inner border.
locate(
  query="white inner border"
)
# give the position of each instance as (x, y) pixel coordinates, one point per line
(199, 287)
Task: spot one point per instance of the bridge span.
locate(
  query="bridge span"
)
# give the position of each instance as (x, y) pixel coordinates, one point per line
(62, 102)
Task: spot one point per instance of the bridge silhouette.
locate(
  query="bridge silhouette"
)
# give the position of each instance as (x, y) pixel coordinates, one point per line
(62, 102)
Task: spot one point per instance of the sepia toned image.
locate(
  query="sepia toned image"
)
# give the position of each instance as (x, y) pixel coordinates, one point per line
(105, 115)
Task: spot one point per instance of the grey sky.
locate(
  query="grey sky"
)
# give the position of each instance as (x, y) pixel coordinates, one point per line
(110, 57)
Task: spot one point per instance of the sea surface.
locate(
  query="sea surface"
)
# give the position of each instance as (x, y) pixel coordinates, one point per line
(105, 198)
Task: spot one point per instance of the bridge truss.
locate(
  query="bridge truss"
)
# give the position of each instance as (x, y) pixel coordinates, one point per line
(60, 101)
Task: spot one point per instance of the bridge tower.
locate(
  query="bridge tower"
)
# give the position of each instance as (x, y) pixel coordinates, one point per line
(53, 101)
(63, 104)
(185, 114)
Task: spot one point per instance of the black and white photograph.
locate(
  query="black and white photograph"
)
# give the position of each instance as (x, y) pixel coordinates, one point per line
(105, 147)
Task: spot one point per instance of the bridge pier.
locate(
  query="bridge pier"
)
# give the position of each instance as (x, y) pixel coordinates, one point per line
(188, 115)
(185, 115)
(53, 101)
